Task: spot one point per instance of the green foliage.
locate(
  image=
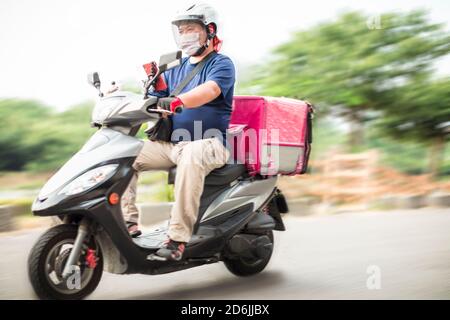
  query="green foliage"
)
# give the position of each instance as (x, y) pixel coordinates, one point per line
(22, 206)
(421, 114)
(367, 75)
(131, 87)
(16, 120)
(326, 135)
(421, 108)
(408, 156)
(32, 137)
(347, 64)
(151, 177)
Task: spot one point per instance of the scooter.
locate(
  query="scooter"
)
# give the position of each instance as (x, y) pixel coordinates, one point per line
(236, 218)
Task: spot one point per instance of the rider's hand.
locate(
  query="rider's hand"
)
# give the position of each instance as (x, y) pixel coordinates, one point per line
(164, 103)
(172, 104)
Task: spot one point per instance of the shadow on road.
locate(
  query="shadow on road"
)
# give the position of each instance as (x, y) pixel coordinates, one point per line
(213, 290)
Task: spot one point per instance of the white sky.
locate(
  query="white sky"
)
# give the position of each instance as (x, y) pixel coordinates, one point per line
(47, 47)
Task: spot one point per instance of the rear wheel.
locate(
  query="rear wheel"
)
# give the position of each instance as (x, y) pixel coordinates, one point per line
(242, 266)
(48, 258)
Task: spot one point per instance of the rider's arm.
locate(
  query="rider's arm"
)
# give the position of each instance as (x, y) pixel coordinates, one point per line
(200, 95)
(219, 80)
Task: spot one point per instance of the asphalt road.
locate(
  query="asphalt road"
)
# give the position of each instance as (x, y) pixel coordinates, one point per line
(399, 254)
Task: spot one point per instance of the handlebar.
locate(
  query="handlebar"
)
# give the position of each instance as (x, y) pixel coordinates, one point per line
(160, 111)
(155, 109)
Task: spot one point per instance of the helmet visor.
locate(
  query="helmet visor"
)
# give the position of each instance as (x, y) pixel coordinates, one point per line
(189, 30)
(199, 18)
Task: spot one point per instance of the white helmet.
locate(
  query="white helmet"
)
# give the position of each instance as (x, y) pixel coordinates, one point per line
(203, 14)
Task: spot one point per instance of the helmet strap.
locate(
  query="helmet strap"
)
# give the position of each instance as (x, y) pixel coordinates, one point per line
(201, 50)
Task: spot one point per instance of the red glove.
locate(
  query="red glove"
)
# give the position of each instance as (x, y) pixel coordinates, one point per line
(176, 106)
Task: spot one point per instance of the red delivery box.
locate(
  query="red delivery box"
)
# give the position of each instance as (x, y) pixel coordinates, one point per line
(271, 135)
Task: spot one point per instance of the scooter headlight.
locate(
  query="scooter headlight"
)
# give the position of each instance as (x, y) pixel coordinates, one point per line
(89, 179)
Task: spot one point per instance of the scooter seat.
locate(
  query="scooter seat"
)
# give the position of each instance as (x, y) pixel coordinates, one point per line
(217, 177)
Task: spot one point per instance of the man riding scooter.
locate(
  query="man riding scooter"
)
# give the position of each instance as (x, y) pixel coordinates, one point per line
(198, 141)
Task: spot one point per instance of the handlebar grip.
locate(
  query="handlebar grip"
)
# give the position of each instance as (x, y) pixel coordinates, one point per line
(178, 109)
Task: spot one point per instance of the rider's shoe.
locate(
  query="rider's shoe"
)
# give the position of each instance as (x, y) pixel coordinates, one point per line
(133, 229)
(171, 250)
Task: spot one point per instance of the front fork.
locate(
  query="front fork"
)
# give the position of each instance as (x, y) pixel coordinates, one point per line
(83, 232)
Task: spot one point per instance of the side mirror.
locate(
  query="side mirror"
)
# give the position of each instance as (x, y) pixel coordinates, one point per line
(169, 60)
(94, 80)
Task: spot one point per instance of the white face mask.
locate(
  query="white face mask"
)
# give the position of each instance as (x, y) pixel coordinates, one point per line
(189, 43)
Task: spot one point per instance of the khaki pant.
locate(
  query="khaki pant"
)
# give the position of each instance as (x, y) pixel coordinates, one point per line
(194, 161)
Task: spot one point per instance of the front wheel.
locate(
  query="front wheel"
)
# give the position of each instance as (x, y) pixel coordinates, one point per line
(47, 260)
(242, 266)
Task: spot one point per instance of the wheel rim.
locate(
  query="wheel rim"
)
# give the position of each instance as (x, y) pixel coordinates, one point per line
(54, 265)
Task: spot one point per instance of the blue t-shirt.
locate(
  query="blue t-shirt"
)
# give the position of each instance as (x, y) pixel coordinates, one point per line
(211, 118)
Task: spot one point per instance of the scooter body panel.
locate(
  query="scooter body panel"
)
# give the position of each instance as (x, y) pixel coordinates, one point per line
(242, 193)
(105, 145)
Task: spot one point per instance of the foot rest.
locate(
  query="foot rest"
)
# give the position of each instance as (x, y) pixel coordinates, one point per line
(155, 257)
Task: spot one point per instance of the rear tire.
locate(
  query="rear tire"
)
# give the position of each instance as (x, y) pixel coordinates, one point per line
(243, 268)
(40, 262)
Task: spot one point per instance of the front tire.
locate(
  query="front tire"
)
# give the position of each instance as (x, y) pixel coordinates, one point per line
(47, 259)
(243, 267)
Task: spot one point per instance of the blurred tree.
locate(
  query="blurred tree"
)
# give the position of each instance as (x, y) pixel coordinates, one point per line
(33, 137)
(16, 119)
(352, 64)
(421, 113)
(132, 87)
(60, 136)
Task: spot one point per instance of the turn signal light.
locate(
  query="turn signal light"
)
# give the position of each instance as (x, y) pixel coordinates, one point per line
(113, 198)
